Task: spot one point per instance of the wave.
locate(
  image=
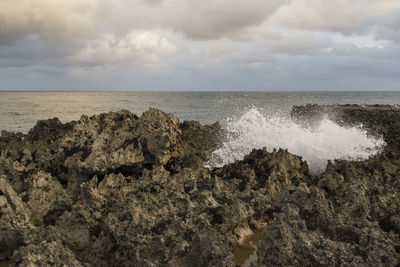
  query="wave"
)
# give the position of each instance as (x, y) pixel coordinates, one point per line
(318, 143)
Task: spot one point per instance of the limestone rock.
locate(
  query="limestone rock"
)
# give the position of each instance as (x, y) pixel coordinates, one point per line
(116, 189)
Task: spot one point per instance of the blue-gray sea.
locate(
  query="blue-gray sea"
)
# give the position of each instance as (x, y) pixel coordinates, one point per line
(19, 111)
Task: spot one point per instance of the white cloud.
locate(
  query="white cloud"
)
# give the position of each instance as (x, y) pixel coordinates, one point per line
(337, 16)
(365, 41)
(146, 46)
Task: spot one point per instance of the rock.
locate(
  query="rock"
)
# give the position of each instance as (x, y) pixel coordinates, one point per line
(47, 253)
(116, 189)
(15, 227)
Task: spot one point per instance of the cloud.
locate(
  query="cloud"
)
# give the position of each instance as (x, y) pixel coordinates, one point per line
(390, 28)
(356, 16)
(146, 46)
(47, 19)
(207, 19)
(230, 42)
(269, 46)
(63, 20)
(78, 72)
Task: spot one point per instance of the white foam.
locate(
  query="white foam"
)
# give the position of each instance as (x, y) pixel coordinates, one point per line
(316, 144)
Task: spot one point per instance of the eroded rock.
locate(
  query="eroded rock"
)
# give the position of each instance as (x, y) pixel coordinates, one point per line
(116, 189)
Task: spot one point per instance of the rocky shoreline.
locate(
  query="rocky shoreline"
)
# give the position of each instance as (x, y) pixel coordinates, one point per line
(116, 189)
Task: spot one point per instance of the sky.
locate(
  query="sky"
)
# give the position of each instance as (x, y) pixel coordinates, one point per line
(224, 45)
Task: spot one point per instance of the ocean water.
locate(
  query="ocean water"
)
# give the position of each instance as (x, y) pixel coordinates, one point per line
(254, 119)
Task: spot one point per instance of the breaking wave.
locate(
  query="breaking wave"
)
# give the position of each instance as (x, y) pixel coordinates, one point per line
(318, 143)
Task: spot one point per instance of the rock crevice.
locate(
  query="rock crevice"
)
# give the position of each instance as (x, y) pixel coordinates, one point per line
(116, 189)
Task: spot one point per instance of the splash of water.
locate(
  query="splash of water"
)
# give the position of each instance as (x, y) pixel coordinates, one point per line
(318, 144)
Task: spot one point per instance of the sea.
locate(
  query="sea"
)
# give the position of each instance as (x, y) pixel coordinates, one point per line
(253, 119)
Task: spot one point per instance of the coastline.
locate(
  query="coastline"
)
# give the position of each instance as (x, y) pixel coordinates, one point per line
(116, 189)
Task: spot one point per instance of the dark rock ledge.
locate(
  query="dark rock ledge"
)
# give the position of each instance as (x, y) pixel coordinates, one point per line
(118, 190)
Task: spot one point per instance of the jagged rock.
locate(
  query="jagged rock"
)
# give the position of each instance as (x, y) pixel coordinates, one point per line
(47, 253)
(14, 220)
(116, 189)
(198, 142)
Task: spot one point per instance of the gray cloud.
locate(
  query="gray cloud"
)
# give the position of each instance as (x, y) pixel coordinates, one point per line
(390, 28)
(48, 19)
(210, 44)
(207, 19)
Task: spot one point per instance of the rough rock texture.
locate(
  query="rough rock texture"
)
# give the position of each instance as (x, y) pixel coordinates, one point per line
(116, 189)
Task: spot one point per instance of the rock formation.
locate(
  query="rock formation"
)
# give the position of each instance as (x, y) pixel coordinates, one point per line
(116, 189)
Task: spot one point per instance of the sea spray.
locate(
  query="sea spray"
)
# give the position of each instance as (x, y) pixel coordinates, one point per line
(316, 143)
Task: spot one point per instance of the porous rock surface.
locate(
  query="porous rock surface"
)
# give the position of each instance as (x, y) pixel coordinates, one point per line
(116, 189)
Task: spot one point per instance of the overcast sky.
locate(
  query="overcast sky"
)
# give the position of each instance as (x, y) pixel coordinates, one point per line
(199, 45)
